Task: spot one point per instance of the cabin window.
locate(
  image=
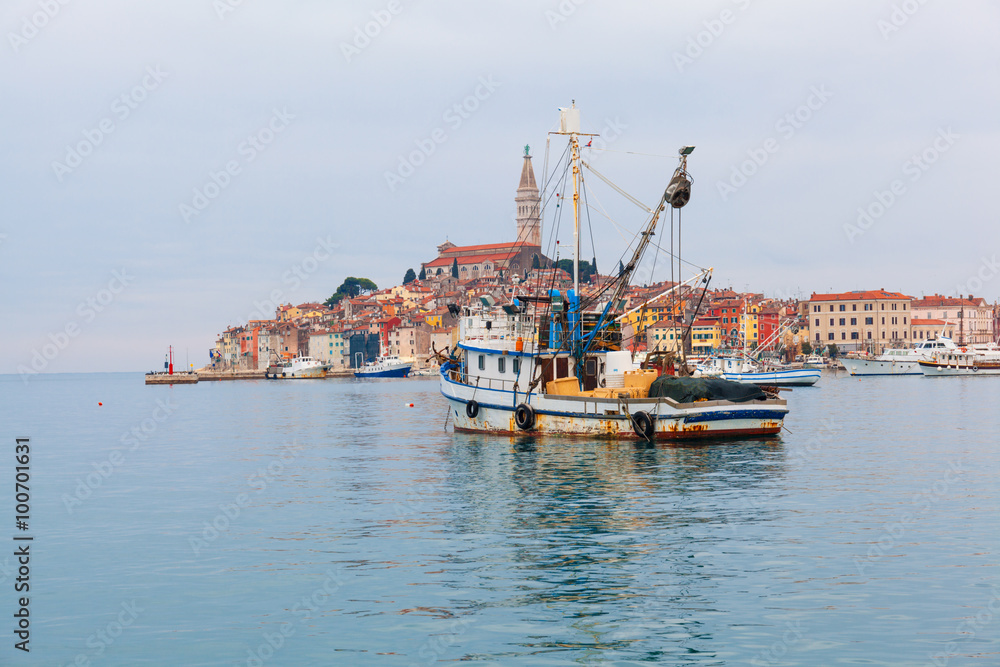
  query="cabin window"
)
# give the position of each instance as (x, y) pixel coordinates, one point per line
(482, 362)
(516, 366)
(501, 364)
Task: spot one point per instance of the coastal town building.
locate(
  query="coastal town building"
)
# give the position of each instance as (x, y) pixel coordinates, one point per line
(860, 320)
(971, 318)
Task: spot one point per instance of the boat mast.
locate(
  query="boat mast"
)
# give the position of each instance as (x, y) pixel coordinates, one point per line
(575, 157)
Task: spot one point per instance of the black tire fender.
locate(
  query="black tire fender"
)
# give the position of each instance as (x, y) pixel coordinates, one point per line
(524, 417)
(643, 424)
(471, 409)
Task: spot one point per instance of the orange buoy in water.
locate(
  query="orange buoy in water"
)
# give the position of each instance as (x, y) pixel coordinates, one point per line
(99, 403)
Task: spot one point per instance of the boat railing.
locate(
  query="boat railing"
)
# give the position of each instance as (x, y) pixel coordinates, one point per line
(481, 382)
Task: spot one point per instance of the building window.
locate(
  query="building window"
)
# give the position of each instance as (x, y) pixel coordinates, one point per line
(482, 362)
(501, 364)
(869, 335)
(883, 324)
(831, 307)
(829, 336)
(817, 321)
(843, 335)
(854, 335)
(843, 307)
(854, 306)
(831, 321)
(869, 320)
(854, 321)
(843, 321)
(904, 320)
(817, 336)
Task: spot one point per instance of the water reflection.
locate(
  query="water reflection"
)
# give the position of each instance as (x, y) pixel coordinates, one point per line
(605, 542)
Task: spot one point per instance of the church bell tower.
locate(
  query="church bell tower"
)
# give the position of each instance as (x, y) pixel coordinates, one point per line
(528, 205)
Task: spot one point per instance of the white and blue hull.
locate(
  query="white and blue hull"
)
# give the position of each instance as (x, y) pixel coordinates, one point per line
(799, 377)
(493, 410)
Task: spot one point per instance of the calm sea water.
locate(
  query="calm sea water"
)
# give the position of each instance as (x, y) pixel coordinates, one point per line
(328, 523)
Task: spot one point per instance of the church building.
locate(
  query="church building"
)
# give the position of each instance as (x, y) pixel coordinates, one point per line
(506, 259)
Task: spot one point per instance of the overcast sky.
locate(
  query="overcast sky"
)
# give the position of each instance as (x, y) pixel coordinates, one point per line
(167, 168)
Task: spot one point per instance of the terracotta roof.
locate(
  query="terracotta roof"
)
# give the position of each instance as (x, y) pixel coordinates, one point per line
(859, 295)
(919, 321)
(937, 301)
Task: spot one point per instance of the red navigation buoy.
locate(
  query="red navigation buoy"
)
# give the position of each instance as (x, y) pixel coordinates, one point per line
(99, 403)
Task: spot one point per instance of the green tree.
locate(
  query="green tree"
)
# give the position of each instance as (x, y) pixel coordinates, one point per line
(454, 268)
(534, 262)
(409, 277)
(593, 266)
(350, 288)
(832, 350)
(806, 347)
(423, 273)
(586, 270)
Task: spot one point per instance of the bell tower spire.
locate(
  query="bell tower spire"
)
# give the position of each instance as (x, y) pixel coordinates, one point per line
(528, 205)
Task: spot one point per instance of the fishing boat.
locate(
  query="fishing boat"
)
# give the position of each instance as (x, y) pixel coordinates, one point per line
(901, 361)
(554, 362)
(296, 369)
(742, 369)
(384, 367)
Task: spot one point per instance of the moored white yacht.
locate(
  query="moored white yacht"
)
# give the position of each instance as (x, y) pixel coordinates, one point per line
(903, 361)
(297, 368)
(962, 361)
